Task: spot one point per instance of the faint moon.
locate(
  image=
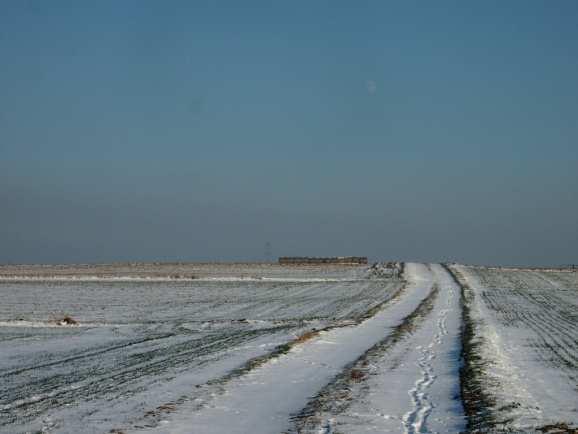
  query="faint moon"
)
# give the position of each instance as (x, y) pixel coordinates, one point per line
(371, 86)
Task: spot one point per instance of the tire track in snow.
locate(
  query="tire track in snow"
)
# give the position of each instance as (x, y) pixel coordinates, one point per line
(336, 396)
(415, 421)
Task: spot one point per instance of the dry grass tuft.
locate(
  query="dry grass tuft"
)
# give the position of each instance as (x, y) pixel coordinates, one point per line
(170, 407)
(357, 375)
(306, 336)
(65, 320)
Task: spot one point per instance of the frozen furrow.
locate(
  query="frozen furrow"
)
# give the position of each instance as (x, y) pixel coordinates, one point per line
(133, 303)
(549, 336)
(121, 371)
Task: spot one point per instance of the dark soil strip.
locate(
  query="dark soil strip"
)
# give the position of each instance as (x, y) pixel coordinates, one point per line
(477, 403)
(336, 396)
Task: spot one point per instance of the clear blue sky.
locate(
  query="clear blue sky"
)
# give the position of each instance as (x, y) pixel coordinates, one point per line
(191, 130)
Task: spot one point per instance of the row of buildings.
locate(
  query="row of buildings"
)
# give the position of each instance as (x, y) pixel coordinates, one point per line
(343, 260)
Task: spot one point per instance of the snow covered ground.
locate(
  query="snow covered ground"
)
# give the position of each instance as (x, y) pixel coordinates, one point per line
(139, 346)
(267, 349)
(178, 271)
(526, 322)
(409, 381)
(265, 400)
(196, 302)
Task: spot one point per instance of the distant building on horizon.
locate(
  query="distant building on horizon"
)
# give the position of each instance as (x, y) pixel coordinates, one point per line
(343, 260)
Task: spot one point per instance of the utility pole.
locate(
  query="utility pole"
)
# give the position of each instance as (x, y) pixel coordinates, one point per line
(268, 252)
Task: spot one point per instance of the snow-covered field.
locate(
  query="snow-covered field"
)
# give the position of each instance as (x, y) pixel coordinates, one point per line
(256, 348)
(174, 271)
(143, 345)
(526, 333)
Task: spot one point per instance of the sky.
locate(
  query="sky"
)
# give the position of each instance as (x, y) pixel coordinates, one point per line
(201, 131)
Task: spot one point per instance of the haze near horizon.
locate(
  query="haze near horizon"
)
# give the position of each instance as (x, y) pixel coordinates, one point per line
(200, 131)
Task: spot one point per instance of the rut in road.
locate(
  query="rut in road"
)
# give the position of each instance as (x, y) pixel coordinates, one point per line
(415, 421)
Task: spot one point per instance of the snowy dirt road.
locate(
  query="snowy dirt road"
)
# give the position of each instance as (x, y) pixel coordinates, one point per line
(408, 382)
(445, 349)
(394, 372)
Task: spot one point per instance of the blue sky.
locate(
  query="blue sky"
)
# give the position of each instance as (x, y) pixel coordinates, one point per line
(148, 130)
